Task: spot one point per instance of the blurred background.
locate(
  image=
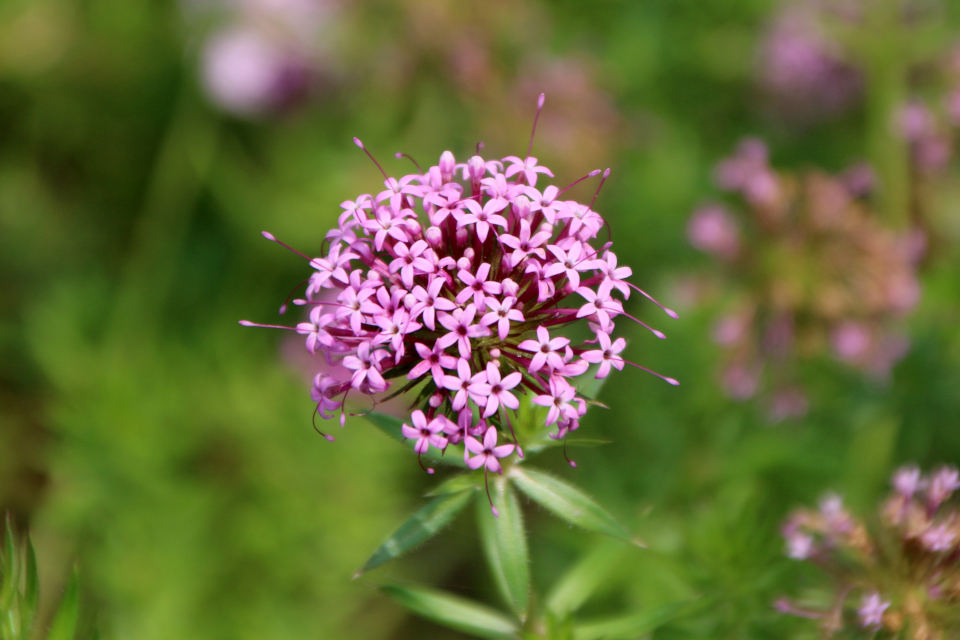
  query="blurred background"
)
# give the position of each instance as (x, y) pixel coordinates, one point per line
(147, 437)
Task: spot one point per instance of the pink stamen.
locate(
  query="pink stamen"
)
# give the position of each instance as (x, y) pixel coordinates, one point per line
(572, 463)
(659, 334)
(592, 174)
(357, 142)
(283, 307)
(247, 323)
(651, 372)
(535, 119)
(669, 312)
(314, 421)
(400, 154)
(269, 236)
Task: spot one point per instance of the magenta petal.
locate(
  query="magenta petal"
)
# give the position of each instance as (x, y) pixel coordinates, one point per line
(503, 450)
(477, 461)
(490, 438)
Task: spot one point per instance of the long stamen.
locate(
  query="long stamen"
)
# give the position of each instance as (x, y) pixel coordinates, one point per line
(535, 119)
(606, 221)
(516, 442)
(479, 147)
(651, 372)
(283, 307)
(400, 154)
(669, 312)
(592, 174)
(314, 421)
(269, 236)
(606, 174)
(659, 334)
(486, 484)
(572, 463)
(420, 462)
(247, 323)
(357, 142)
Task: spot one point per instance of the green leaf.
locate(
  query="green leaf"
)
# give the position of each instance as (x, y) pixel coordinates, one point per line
(505, 544)
(391, 425)
(451, 611)
(456, 484)
(569, 503)
(629, 626)
(579, 583)
(11, 570)
(28, 605)
(422, 526)
(64, 623)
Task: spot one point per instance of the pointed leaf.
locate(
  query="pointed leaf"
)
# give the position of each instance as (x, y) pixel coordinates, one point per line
(579, 583)
(28, 605)
(456, 484)
(505, 544)
(422, 526)
(630, 626)
(11, 568)
(391, 425)
(64, 623)
(569, 503)
(451, 611)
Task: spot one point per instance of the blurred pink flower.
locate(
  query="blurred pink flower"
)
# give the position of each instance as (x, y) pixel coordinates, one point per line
(712, 229)
(249, 73)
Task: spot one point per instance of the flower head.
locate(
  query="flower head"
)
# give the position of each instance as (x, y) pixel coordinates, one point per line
(462, 290)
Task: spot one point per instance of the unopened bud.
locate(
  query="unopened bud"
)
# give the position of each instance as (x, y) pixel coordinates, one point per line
(447, 166)
(434, 237)
(476, 168)
(521, 207)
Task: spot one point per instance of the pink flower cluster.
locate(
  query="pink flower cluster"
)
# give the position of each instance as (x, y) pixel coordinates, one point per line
(814, 272)
(455, 282)
(906, 567)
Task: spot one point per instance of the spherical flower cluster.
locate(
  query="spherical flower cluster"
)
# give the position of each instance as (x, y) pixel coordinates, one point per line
(458, 291)
(817, 273)
(899, 580)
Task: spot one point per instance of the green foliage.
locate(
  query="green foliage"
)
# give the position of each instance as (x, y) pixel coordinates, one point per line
(423, 525)
(504, 542)
(20, 595)
(569, 503)
(453, 612)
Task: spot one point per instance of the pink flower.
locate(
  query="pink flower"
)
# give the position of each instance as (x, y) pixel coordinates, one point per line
(482, 217)
(871, 610)
(561, 400)
(467, 385)
(545, 350)
(608, 355)
(461, 328)
(500, 390)
(528, 168)
(501, 313)
(428, 302)
(711, 229)
(477, 286)
(425, 433)
(434, 361)
(487, 454)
